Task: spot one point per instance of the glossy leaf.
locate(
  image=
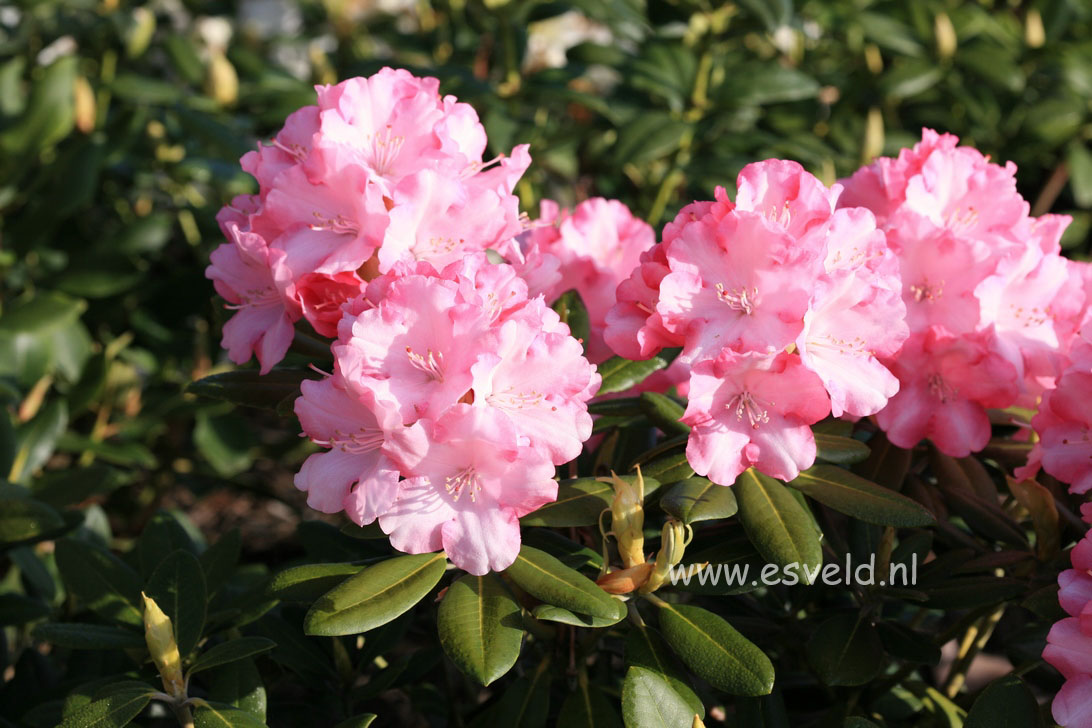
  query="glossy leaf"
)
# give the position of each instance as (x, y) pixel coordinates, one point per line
(547, 579)
(230, 651)
(480, 627)
(178, 587)
(853, 495)
(699, 499)
(100, 580)
(776, 523)
(621, 374)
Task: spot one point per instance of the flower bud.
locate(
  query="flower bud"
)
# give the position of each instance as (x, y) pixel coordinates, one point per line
(159, 635)
(945, 35)
(628, 518)
(222, 83)
(84, 107)
(673, 540)
(625, 581)
(1034, 33)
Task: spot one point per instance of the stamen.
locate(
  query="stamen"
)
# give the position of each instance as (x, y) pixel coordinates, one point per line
(747, 404)
(464, 479)
(355, 443)
(940, 389)
(739, 299)
(432, 364)
(927, 292)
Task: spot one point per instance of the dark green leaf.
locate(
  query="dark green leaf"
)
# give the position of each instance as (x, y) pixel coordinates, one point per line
(550, 613)
(230, 651)
(845, 650)
(80, 636)
(375, 596)
(247, 387)
(101, 581)
(112, 711)
(221, 715)
(24, 519)
(646, 649)
(620, 374)
(219, 560)
(777, 524)
(648, 701)
(1007, 702)
(699, 499)
(587, 707)
(840, 450)
(548, 580)
(178, 586)
(664, 412)
(239, 684)
(309, 582)
(853, 495)
(480, 627)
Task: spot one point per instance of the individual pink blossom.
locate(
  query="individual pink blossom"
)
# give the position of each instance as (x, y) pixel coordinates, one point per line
(753, 410)
(469, 481)
(1069, 643)
(634, 329)
(244, 273)
(1064, 426)
(354, 474)
(947, 384)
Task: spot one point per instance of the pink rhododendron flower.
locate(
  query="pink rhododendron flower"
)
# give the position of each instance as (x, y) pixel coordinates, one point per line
(750, 409)
(947, 384)
(382, 171)
(782, 286)
(1069, 644)
(473, 391)
(596, 247)
(974, 265)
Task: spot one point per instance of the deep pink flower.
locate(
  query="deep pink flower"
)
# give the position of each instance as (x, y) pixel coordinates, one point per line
(1064, 424)
(750, 409)
(1069, 644)
(947, 384)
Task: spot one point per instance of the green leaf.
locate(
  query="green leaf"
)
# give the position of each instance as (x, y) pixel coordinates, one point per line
(768, 83)
(38, 439)
(649, 701)
(112, 711)
(50, 112)
(620, 374)
(646, 649)
(247, 387)
(1007, 701)
(699, 499)
(17, 609)
(857, 721)
(579, 502)
(845, 650)
(230, 651)
(853, 495)
(668, 469)
(480, 627)
(178, 586)
(239, 684)
(1079, 162)
(966, 592)
(226, 442)
(220, 715)
(161, 537)
(309, 582)
(663, 412)
(24, 519)
(219, 560)
(715, 651)
(649, 136)
(587, 707)
(357, 721)
(550, 613)
(840, 450)
(777, 524)
(548, 580)
(80, 636)
(375, 596)
(101, 581)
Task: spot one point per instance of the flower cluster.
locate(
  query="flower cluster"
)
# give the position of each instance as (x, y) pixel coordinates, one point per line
(383, 170)
(453, 397)
(1069, 644)
(783, 307)
(990, 302)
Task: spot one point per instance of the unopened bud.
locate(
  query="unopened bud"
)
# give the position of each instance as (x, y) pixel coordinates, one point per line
(945, 35)
(84, 105)
(222, 83)
(698, 722)
(1034, 33)
(673, 540)
(628, 518)
(874, 136)
(625, 581)
(141, 30)
(159, 635)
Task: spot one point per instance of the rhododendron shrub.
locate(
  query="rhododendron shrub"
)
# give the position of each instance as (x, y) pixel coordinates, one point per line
(557, 406)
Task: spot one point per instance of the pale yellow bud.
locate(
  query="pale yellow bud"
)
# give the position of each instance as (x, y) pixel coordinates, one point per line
(673, 540)
(874, 136)
(141, 30)
(945, 35)
(159, 635)
(1034, 33)
(84, 106)
(628, 518)
(698, 722)
(222, 83)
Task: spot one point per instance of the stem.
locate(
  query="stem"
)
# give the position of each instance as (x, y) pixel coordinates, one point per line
(974, 640)
(184, 714)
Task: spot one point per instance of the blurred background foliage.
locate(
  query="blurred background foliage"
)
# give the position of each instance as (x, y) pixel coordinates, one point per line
(120, 129)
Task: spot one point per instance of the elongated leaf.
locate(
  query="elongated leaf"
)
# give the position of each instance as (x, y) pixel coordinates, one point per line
(664, 412)
(668, 469)
(853, 495)
(550, 613)
(548, 580)
(178, 586)
(588, 707)
(239, 684)
(715, 651)
(78, 636)
(579, 503)
(236, 649)
(219, 560)
(162, 536)
(358, 721)
(24, 519)
(247, 387)
(646, 649)
(375, 596)
(18, 609)
(570, 307)
(219, 715)
(699, 499)
(649, 701)
(620, 374)
(38, 439)
(840, 450)
(845, 650)
(100, 580)
(309, 582)
(112, 711)
(480, 627)
(776, 523)
(1007, 701)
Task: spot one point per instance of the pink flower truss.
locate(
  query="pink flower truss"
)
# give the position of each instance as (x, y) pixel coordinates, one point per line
(974, 266)
(460, 384)
(783, 307)
(1069, 644)
(382, 171)
(592, 250)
